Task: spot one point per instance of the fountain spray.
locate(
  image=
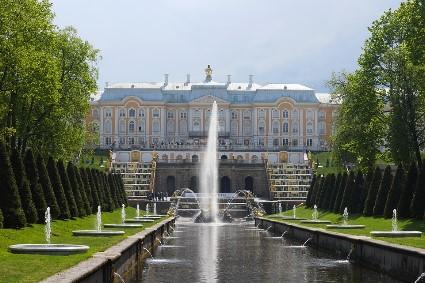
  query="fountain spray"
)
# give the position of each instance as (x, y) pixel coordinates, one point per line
(123, 213)
(137, 210)
(99, 219)
(47, 228)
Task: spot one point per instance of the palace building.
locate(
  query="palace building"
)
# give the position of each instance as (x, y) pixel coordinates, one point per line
(275, 122)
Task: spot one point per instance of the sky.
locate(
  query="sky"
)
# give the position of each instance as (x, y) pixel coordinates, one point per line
(277, 41)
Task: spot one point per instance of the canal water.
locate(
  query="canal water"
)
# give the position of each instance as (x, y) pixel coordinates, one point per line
(240, 252)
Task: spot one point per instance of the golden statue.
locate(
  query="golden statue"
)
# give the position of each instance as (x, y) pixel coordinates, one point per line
(208, 73)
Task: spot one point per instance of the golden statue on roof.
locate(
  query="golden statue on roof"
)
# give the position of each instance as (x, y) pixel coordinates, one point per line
(208, 73)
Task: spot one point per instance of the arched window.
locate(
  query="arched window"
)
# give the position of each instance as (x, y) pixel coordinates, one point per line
(142, 113)
(132, 113)
(295, 128)
(321, 114)
(261, 113)
(131, 127)
(309, 128)
(247, 114)
(261, 128)
(285, 127)
(107, 127)
(122, 113)
(310, 115)
(275, 127)
(142, 127)
(285, 114)
(275, 114)
(155, 126)
(122, 127)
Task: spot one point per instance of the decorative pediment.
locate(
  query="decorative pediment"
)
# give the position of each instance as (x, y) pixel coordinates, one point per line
(208, 99)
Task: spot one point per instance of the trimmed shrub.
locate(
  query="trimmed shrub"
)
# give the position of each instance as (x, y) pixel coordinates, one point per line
(75, 189)
(101, 191)
(403, 206)
(120, 193)
(355, 199)
(10, 201)
(349, 187)
(107, 191)
(94, 191)
(334, 192)
(340, 192)
(113, 188)
(384, 187)
(395, 192)
(55, 179)
(365, 189)
(87, 187)
(372, 192)
(67, 188)
(320, 188)
(23, 187)
(45, 183)
(323, 191)
(36, 190)
(122, 189)
(83, 190)
(417, 207)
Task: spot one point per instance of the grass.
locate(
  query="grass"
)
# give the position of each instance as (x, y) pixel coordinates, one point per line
(96, 160)
(372, 224)
(326, 163)
(33, 268)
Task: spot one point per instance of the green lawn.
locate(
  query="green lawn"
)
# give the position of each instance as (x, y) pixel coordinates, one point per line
(33, 268)
(97, 161)
(326, 164)
(372, 224)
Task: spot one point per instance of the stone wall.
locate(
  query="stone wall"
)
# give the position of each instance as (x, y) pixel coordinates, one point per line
(401, 262)
(171, 176)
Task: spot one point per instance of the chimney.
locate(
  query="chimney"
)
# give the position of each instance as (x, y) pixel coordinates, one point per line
(229, 79)
(250, 81)
(187, 79)
(165, 79)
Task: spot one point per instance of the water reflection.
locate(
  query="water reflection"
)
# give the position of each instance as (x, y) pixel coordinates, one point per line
(237, 253)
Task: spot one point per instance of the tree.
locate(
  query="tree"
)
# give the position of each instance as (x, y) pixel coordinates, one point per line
(320, 189)
(67, 188)
(83, 191)
(340, 192)
(372, 192)
(88, 188)
(384, 187)
(107, 192)
(113, 188)
(365, 189)
(394, 192)
(349, 188)
(36, 190)
(46, 185)
(355, 204)
(309, 193)
(406, 196)
(329, 190)
(94, 191)
(58, 189)
(10, 202)
(417, 207)
(23, 187)
(334, 193)
(76, 189)
(324, 192)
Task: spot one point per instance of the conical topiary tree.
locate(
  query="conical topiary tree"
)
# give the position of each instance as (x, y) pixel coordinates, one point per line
(94, 191)
(355, 201)
(349, 187)
(324, 192)
(107, 192)
(23, 187)
(372, 192)
(112, 187)
(87, 188)
(100, 190)
(329, 192)
(36, 189)
(340, 192)
(45, 183)
(122, 189)
(395, 192)
(310, 192)
(417, 206)
(365, 189)
(120, 192)
(83, 190)
(384, 187)
(334, 193)
(10, 201)
(403, 206)
(315, 191)
(55, 179)
(319, 190)
(75, 189)
(67, 188)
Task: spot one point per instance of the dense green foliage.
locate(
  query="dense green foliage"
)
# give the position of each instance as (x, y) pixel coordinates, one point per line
(406, 196)
(47, 76)
(10, 201)
(45, 183)
(394, 192)
(58, 189)
(340, 192)
(67, 188)
(417, 207)
(384, 187)
(348, 190)
(372, 192)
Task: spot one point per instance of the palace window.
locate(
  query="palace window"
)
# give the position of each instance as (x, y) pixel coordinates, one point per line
(108, 140)
(261, 128)
(295, 115)
(294, 142)
(170, 115)
(107, 126)
(122, 113)
(309, 142)
(171, 127)
(295, 128)
(234, 115)
(261, 141)
(275, 114)
(285, 127)
(122, 126)
(247, 128)
(131, 127)
(275, 127)
(108, 113)
(155, 113)
(322, 128)
(221, 126)
(130, 140)
(142, 113)
(142, 126)
(95, 113)
(309, 128)
(275, 142)
(183, 115)
(122, 140)
(261, 113)
(132, 113)
(285, 114)
(247, 114)
(285, 142)
(197, 113)
(234, 127)
(321, 115)
(155, 126)
(221, 113)
(196, 125)
(310, 115)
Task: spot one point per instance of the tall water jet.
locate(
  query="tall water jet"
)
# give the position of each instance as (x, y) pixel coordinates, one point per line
(47, 227)
(123, 213)
(99, 219)
(209, 172)
(137, 210)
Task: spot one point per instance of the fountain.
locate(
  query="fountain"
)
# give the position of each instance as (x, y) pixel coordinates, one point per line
(280, 208)
(209, 174)
(137, 210)
(315, 218)
(123, 223)
(98, 229)
(395, 232)
(345, 224)
(48, 249)
(286, 217)
(148, 209)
